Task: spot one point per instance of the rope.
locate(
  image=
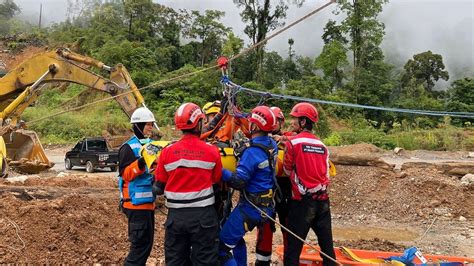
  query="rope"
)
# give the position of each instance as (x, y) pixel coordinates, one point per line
(191, 73)
(291, 232)
(352, 105)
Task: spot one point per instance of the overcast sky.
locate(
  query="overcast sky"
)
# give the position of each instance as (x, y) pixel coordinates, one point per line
(412, 26)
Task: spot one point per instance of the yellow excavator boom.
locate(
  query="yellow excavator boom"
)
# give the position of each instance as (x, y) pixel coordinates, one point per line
(20, 87)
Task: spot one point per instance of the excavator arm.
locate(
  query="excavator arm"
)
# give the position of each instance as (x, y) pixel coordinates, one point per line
(22, 86)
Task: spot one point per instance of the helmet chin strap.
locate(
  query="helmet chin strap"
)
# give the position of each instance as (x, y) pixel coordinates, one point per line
(145, 138)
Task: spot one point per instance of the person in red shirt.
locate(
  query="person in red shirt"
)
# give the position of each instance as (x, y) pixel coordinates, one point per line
(306, 161)
(185, 173)
(263, 248)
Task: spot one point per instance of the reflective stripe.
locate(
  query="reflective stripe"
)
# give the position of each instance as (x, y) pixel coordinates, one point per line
(263, 164)
(190, 164)
(307, 140)
(202, 203)
(189, 195)
(135, 145)
(302, 189)
(140, 195)
(263, 258)
(230, 246)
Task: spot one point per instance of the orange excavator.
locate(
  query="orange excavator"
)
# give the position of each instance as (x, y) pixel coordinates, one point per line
(20, 87)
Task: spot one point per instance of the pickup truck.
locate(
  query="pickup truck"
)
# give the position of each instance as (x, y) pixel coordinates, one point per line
(92, 153)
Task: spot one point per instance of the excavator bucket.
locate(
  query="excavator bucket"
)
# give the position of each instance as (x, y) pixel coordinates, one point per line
(25, 153)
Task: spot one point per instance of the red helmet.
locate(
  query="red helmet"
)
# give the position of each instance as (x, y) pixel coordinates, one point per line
(264, 118)
(187, 116)
(305, 110)
(278, 113)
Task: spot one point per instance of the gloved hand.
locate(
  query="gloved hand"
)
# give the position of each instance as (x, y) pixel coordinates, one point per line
(226, 174)
(158, 189)
(332, 169)
(240, 146)
(149, 153)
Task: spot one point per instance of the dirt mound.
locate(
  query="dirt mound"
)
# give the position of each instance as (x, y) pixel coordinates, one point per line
(373, 193)
(360, 148)
(73, 229)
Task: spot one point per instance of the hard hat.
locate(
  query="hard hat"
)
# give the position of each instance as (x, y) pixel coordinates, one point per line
(212, 107)
(142, 115)
(305, 110)
(264, 118)
(278, 113)
(187, 116)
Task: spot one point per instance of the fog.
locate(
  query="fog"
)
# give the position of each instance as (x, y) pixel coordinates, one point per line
(445, 27)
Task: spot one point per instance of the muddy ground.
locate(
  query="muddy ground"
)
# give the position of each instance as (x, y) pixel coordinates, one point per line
(73, 217)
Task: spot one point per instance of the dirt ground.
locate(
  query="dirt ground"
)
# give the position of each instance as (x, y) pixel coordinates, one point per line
(72, 216)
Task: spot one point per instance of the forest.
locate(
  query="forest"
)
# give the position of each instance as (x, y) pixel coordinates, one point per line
(156, 42)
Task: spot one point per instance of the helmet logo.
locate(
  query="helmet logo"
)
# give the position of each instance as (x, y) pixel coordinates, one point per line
(195, 114)
(259, 119)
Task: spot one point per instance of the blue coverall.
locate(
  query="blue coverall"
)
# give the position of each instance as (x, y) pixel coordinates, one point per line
(254, 176)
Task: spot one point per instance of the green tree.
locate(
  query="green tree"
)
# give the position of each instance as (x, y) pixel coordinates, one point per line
(425, 68)
(209, 31)
(261, 18)
(365, 33)
(333, 32)
(8, 9)
(232, 45)
(332, 61)
(461, 95)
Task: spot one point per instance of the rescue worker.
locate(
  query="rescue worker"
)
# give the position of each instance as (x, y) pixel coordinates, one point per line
(135, 184)
(306, 161)
(186, 172)
(263, 249)
(210, 109)
(224, 125)
(254, 177)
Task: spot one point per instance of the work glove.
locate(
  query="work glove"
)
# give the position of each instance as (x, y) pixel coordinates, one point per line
(226, 174)
(158, 189)
(240, 146)
(149, 153)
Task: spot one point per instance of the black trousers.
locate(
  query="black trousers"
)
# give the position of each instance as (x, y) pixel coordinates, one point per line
(265, 231)
(191, 236)
(141, 229)
(305, 214)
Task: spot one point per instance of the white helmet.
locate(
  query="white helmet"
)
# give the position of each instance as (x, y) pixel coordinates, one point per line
(142, 115)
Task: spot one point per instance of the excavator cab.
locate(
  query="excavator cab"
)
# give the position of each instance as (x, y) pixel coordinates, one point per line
(19, 88)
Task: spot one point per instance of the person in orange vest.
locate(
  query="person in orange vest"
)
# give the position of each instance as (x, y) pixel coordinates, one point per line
(224, 125)
(306, 161)
(211, 109)
(135, 184)
(263, 249)
(186, 173)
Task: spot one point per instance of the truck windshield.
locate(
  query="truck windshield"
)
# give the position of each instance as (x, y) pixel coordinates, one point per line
(96, 145)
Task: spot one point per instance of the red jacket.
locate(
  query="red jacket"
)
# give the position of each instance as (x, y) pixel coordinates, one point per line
(306, 161)
(189, 168)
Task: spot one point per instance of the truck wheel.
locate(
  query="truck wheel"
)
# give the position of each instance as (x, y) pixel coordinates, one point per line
(89, 167)
(113, 168)
(67, 164)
